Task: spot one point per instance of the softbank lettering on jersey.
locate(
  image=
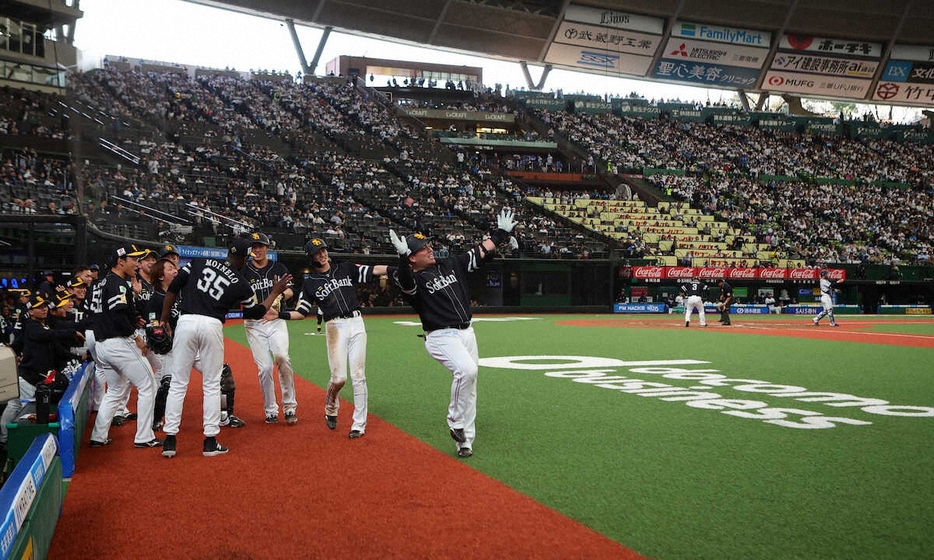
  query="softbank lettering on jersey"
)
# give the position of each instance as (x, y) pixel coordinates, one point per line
(335, 284)
(708, 389)
(440, 283)
(722, 34)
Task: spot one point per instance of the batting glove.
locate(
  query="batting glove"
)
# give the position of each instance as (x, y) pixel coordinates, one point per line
(506, 220)
(399, 243)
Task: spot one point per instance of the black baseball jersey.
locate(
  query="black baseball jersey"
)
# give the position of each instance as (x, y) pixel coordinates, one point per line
(44, 349)
(211, 287)
(154, 310)
(694, 288)
(262, 279)
(334, 291)
(726, 291)
(142, 298)
(118, 309)
(91, 306)
(440, 293)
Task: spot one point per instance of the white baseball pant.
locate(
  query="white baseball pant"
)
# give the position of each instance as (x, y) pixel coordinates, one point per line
(695, 302)
(269, 343)
(456, 349)
(125, 364)
(346, 343)
(197, 337)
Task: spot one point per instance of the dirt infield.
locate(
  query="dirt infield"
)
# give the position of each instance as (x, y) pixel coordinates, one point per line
(850, 330)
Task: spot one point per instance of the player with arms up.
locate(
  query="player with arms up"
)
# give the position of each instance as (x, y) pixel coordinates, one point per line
(269, 340)
(209, 288)
(693, 292)
(438, 291)
(332, 287)
(827, 286)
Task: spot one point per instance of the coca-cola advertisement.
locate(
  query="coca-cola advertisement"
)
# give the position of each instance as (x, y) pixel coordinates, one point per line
(714, 273)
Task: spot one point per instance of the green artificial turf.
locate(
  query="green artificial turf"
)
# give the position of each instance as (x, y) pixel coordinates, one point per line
(666, 479)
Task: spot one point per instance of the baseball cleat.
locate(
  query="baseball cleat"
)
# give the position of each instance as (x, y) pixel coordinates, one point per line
(168, 447)
(130, 416)
(155, 442)
(117, 421)
(212, 448)
(815, 321)
(233, 422)
(834, 325)
(465, 452)
(458, 435)
(290, 417)
(354, 434)
(272, 418)
(331, 421)
(687, 324)
(94, 443)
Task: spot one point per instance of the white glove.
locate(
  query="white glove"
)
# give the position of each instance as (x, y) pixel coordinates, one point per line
(506, 221)
(399, 243)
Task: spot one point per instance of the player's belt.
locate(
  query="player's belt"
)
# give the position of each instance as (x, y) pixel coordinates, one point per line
(460, 327)
(350, 315)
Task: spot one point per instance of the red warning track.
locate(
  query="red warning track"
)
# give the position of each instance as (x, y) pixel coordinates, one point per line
(850, 330)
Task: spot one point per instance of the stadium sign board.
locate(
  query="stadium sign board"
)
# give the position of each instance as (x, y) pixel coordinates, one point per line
(598, 61)
(913, 52)
(814, 84)
(720, 34)
(909, 71)
(716, 53)
(614, 40)
(614, 19)
(733, 274)
(904, 93)
(837, 47)
(715, 75)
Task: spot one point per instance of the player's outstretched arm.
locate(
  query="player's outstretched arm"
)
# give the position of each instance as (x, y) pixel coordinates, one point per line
(505, 223)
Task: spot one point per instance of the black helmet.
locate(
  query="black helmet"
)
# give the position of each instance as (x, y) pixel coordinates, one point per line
(315, 245)
(260, 238)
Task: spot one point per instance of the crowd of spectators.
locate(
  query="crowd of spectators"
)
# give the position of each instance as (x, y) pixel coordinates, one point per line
(329, 158)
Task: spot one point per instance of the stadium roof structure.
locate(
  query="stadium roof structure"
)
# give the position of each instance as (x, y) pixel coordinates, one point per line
(813, 35)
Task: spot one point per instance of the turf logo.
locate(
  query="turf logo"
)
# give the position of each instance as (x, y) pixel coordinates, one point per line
(640, 380)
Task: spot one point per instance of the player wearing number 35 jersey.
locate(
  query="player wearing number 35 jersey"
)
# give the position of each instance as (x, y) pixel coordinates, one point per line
(208, 289)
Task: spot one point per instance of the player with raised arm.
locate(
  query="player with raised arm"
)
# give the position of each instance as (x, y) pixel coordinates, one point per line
(209, 288)
(332, 287)
(438, 291)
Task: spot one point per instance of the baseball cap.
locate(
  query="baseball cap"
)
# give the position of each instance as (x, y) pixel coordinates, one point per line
(47, 273)
(77, 283)
(416, 242)
(129, 251)
(239, 247)
(94, 267)
(823, 272)
(60, 300)
(168, 250)
(259, 237)
(315, 245)
(37, 300)
(149, 253)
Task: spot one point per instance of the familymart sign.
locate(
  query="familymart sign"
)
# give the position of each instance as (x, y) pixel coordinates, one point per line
(689, 382)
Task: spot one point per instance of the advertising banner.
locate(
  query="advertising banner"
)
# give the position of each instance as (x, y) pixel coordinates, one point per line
(549, 104)
(612, 40)
(707, 74)
(640, 308)
(641, 111)
(716, 53)
(722, 34)
(912, 52)
(598, 61)
(732, 274)
(592, 106)
(830, 46)
(813, 84)
(476, 116)
(908, 71)
(825, 65)
(907, 94)
(613, 18)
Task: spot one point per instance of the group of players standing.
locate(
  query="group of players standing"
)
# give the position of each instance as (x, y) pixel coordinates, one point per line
(148, 322)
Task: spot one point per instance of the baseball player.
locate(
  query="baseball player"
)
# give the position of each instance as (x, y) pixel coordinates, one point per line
(269, 340)
(827, 286)
(209, 288)
(694, 292)
(725, 300)
(332, 287)
(439, 292)
(122, 351)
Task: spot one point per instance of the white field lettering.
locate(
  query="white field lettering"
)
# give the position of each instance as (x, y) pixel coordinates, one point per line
(706, 388)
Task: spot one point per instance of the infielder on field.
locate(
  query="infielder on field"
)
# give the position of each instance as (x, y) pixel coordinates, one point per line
(269, 340)
(209, 288)
(827, 286)
(439, 292)
(332, 287)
